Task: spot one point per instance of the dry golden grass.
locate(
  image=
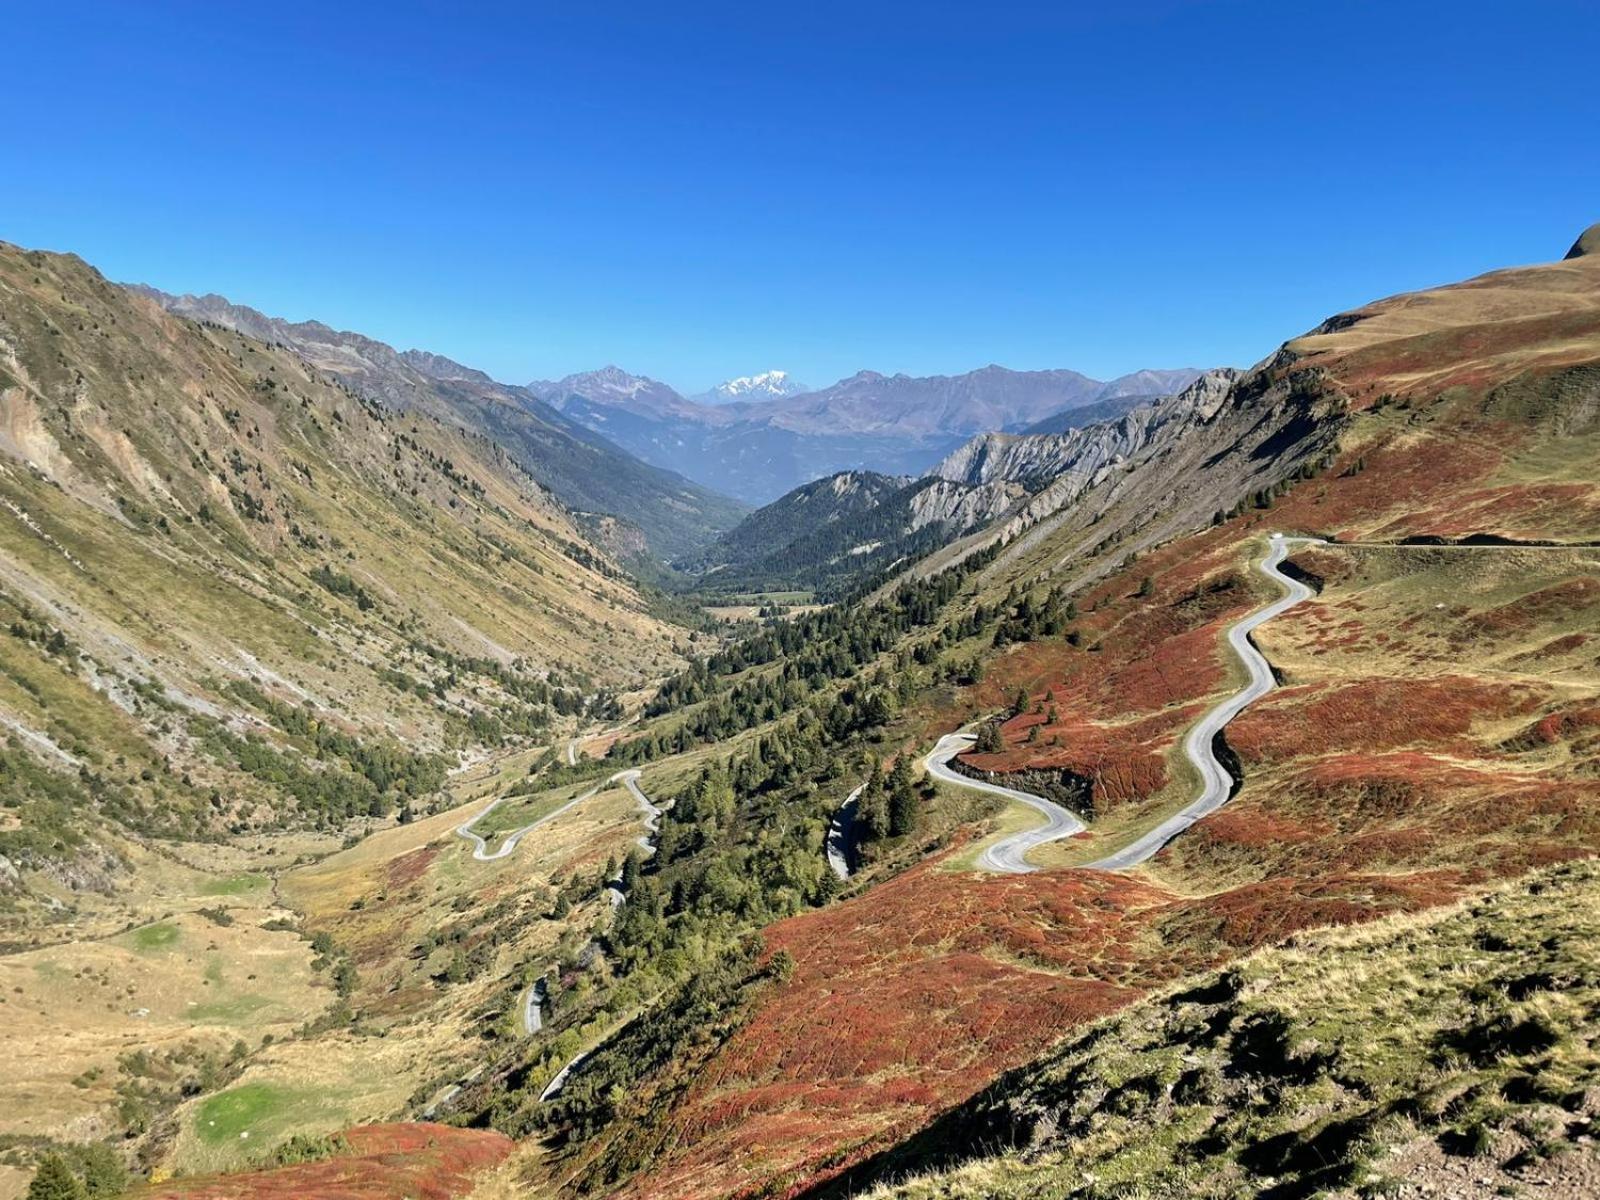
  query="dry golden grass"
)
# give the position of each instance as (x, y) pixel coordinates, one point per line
(378, 899)
(75, 1008)
(1512, 299)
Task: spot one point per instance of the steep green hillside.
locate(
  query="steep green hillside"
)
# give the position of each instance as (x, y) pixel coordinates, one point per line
(1454, 1053)
(239, 596)
(640, 512)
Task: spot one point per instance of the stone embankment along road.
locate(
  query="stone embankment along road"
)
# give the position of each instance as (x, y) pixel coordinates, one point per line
(1008, 855)
(837, 844)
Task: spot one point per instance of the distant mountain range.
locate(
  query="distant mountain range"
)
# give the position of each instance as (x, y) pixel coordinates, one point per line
(658, 474)
(757, 449)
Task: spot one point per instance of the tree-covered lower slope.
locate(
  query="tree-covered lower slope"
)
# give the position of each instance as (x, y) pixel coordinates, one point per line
(1436, 733)
(833, 532)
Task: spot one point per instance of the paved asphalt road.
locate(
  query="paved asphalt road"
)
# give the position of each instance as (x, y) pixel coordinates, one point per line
(1218, 784)
(1009, 854)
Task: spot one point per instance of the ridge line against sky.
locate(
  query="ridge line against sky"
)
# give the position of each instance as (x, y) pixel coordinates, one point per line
(712, 192)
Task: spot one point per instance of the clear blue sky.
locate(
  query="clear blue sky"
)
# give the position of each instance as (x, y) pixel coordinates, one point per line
(701, 190)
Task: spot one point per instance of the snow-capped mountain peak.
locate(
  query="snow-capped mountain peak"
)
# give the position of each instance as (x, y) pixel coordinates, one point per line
(768, 385)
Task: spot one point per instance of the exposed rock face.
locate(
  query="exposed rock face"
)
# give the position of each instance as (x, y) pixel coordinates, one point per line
(960, 507)
(1162, 469)
(1086, 454)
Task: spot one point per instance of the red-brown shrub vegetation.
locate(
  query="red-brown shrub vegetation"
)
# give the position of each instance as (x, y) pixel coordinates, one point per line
(423, 1161)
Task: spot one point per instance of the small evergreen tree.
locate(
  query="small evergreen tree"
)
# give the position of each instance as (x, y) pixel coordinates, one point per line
(872, 810)
(54, 1180)
(902, 798)
(102, 1169)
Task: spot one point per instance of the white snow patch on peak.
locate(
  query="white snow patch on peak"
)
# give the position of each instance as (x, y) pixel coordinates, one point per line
(765, 384)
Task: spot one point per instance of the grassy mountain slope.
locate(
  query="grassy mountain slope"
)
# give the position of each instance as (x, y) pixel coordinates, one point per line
(620, 499)
(1450, 1052)
(1434, 739)
(240, 596)
(248, 616)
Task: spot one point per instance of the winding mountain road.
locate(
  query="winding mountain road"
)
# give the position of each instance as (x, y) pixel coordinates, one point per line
(1217, 784)
(1008, 855)
(652, 826)
(533, 1006)
(533, 998)
(628, 778)
(559, 1079)
(652, 814)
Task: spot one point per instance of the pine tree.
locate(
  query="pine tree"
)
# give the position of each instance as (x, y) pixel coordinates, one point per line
(902, 798)
(54, 1180)
(104, 1174)
(630, 873)
(872, 809)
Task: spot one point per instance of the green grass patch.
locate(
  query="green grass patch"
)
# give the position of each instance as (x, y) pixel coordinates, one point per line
(244, 1109)
(160, 936)
(235, 885)
(238, 1010)
(524, 810)
(760, 598)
